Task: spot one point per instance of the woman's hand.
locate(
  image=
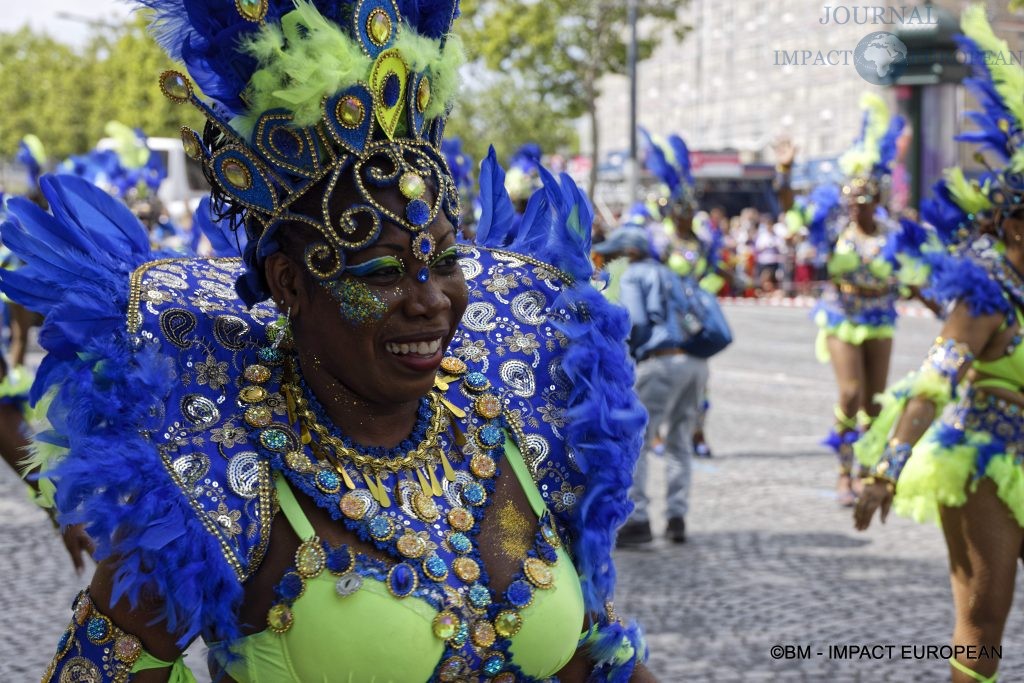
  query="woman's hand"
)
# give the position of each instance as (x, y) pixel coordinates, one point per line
(877, 494)
(79, 545)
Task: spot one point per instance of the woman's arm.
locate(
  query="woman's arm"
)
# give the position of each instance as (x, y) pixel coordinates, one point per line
(963, 337)
(117, 638)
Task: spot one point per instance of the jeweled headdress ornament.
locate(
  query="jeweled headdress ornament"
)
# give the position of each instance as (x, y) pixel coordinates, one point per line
(868, 162)
(338, 95)
(669, 162)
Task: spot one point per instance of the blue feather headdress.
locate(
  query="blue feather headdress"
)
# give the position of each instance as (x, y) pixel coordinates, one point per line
(960, 205)
(523, 176)
(868, 162)
(669, 162)
(32, 155)
(303, 97)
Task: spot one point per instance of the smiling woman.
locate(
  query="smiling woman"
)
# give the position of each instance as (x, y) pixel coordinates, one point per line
(365, 461)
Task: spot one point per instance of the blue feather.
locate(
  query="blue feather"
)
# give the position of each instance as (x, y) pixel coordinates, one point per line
(682, 154)
(223, 240)
(496, 210)
(431, 18)
(657, 163)
(887, 145)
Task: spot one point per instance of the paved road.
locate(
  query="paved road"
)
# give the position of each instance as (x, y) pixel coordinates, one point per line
(771, 559)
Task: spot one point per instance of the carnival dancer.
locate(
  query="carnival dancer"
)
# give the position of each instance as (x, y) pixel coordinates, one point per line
(966, 470)
(363, 452)
(857, 312)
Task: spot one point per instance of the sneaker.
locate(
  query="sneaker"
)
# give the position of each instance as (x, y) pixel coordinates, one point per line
(632, 534)
(677, 530)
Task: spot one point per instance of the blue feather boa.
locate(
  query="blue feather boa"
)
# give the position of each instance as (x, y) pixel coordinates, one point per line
(605, 419)
(108, 389)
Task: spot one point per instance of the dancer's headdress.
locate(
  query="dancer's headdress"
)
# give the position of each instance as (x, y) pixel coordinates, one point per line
(126, 168)
(523, 176)
(317, 95)
(998, 86)
(868, 162)
(669, 162)
(32, 155)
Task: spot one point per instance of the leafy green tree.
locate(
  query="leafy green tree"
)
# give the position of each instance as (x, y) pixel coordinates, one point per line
(66, 96)
(42, 91)
(558, 50)
(497, 115)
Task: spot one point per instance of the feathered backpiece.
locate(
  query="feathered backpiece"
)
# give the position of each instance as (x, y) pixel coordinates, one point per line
(303, 97)
(32, 155)
(998, 86)
(868, 162)
(669, 162)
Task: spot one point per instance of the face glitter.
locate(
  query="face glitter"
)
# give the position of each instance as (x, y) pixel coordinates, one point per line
(357, 303)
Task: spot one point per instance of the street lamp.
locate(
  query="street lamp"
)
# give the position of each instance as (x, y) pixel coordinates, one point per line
(632, 166)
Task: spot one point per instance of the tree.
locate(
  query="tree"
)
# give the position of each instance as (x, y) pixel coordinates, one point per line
(558, 50)
(66, 96)
(498, 115)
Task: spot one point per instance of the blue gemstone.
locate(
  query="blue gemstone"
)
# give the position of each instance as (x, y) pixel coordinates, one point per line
(474, 494)
(402, 580)
(479, 596)
(290, 587)
(519, 593)
(339, 560)
(380, 527)
(423, 275)
(477, 380)
(460, 543)
(274, 439)
(493, 665)
(97, 629)
(418, 212)
(327, 481)
(425, 246)
(435, 568)
(392, 89)
(269, 355)
(461, 636)
(490, 436)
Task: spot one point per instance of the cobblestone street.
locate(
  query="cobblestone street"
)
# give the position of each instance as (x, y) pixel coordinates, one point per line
(770, 560)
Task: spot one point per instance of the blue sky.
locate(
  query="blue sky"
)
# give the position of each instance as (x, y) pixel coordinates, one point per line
(43, 15)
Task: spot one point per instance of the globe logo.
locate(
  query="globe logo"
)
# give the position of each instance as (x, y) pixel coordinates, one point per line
(880, 58)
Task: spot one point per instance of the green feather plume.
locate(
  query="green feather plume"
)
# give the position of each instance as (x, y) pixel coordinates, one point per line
(859, 159)
(1007, 76)
(308, 58)
(967, 195)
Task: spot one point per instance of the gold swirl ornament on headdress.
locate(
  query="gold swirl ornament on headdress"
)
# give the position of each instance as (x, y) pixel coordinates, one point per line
(324, 105)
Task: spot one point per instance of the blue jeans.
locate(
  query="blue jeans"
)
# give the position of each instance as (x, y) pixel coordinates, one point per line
(671, 388)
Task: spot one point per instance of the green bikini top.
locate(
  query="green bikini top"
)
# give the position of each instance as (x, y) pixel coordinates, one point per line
(371, 636)
(1006, 372)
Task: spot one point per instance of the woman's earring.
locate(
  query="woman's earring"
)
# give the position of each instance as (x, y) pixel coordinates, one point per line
(281, 329)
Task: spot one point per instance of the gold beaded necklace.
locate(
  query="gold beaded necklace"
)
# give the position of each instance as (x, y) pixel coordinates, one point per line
(419, 464)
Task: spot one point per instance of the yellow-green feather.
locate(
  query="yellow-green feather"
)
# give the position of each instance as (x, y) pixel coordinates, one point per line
(966, 194)
(1007, 76)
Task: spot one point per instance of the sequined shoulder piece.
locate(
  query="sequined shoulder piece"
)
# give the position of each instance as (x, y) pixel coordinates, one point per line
(511, 343)
(188, 310)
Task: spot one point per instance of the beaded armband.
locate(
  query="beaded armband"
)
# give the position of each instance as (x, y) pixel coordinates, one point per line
(945, 360)
(614, 647)
(93, 648)
(893, 460)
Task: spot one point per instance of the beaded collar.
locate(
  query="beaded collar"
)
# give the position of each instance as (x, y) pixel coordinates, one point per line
(433, 538)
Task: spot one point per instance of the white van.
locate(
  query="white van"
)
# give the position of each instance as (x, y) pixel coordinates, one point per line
(185, 183)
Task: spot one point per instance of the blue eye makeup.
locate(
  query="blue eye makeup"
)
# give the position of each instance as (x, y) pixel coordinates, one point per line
(376, 266)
